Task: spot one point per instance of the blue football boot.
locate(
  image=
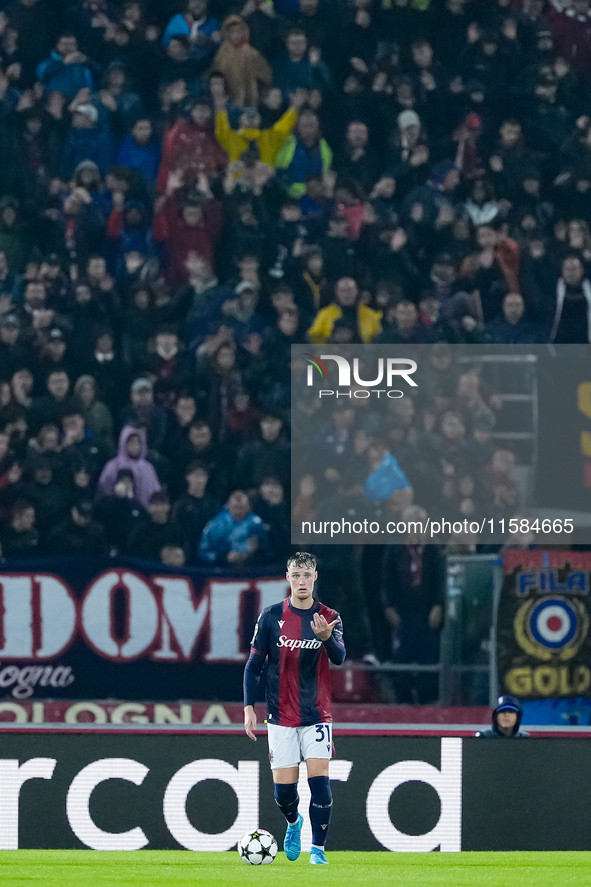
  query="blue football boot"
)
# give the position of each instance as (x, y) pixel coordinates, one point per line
(317, 856)
(292, 844)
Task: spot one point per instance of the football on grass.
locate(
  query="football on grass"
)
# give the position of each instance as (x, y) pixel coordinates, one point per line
(258, 848)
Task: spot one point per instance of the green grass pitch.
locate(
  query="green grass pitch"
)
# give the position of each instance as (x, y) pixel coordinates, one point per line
(154, 868)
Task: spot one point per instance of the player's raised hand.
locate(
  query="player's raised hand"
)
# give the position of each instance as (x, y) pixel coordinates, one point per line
(321, 628)
(250, 722)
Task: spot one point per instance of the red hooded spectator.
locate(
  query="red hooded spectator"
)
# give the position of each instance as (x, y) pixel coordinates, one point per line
(190, 225)
(190, 146)
(467, 160)
(571, 30)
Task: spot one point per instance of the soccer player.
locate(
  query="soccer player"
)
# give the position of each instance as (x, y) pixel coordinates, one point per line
(298, 636)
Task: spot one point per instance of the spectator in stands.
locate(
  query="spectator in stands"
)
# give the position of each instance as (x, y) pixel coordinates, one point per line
(16, 241)
(116, 102)
(512, 328)
(305, 153)
(120, 513)
(150, 535)
(196, 508)
(249, 136)
(86, 140)
(172, 555)
(144, 413)
(363, 321)
(244, 68)
(571, 30)
(188, 224)
(97, 417)
(493, 269)
(267, 454)
(500, 480)
(236, 535)
(44, 491)
(195, 23)
(300, 67)
(200, 447)
(506, 720)
(357, 160)
(78, 533)
(413, 593)
(104, 363)
(269, 504)
(131, 454)
(573, 304)
(141, 150)
(403, 325)
(79, 443)
(20, 537)
(12, 353)
(66, 70)
(49, 407)
(386, 481)
(191, 147)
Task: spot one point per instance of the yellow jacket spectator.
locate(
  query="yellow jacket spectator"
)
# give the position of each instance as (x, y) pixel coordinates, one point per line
(364, 322)
(305, 153)
(251, 137)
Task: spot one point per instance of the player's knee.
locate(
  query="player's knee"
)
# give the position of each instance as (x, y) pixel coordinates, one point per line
(286, 794)
(320, 793)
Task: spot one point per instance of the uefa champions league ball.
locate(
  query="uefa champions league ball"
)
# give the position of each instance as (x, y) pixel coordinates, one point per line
(258, 848)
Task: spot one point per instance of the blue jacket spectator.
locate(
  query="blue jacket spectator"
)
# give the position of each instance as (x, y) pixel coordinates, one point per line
(303, 154)
(66, 70)
(119, 107)
(141, 151)
(512, 327)
(386, 478)
(235, 536)
(197, 25)
(85, 141)
(129, 231)
(297, 69)
(87, 175)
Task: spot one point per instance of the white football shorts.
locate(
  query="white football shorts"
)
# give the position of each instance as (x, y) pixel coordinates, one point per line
(288, 746)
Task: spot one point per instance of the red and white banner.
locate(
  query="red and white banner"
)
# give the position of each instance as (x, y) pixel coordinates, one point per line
(206, 713)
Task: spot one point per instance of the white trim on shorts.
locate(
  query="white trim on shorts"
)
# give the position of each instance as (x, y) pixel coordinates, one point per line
(289, 746)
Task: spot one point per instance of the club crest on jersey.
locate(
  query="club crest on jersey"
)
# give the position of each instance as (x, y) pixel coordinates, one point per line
(293, 644)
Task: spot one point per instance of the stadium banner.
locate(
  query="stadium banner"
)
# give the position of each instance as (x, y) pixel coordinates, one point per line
(207, 714)
(100, 628)
(543, 640)
(493, 442)
(198, 792)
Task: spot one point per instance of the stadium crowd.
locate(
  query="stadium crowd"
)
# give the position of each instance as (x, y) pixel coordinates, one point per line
(188, 187)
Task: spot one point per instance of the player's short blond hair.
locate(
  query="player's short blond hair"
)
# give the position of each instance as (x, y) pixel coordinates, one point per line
(301, 559)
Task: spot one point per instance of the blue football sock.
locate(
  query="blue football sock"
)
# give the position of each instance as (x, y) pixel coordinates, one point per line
(320, 808)
(286, 798)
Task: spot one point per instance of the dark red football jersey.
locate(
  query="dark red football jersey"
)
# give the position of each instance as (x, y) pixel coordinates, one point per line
(298, 673)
